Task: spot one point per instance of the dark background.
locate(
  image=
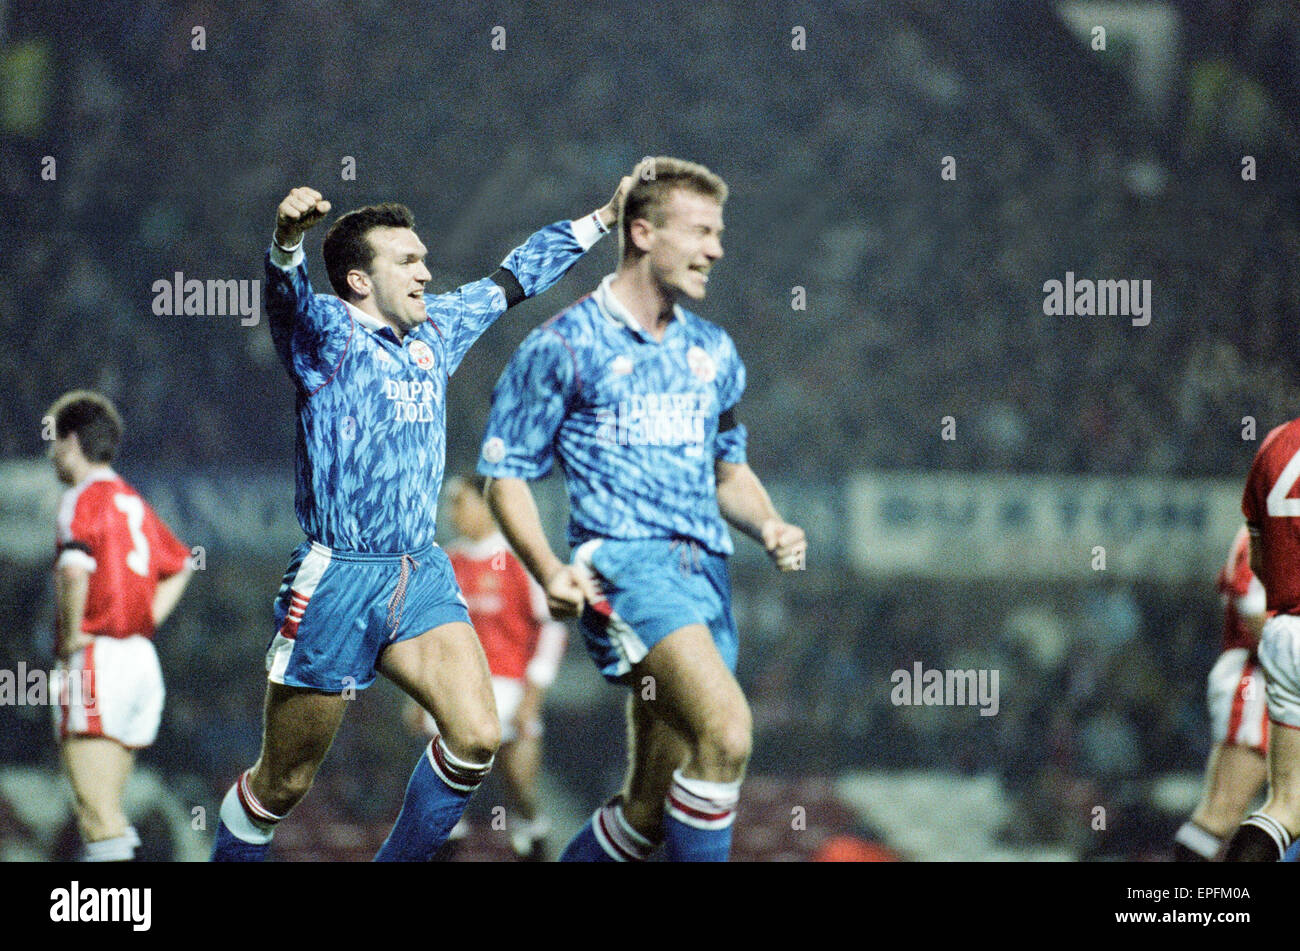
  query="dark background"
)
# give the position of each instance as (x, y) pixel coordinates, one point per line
(924, 300)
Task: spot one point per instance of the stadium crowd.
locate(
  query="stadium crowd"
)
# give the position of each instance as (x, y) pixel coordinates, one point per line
(924, 299)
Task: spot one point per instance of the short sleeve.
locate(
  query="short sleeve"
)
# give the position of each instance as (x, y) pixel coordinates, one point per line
(528, 406)
(79, 531)
(169, 553)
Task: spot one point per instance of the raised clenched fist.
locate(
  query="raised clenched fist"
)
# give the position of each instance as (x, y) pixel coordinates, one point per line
(301, 209)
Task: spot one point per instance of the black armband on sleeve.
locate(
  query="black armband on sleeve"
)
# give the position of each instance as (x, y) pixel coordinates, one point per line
(76, 546)
(504, 279)
(727, 420)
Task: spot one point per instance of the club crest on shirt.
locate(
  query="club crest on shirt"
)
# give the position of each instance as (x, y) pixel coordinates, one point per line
(701, 364)
(621, 365)
(422, 355)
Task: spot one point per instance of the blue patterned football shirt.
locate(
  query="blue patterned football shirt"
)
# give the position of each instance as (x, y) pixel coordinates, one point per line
(636, 423)
(371, 409)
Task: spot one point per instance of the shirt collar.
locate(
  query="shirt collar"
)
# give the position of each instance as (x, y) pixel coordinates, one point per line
(378, 326)
(614, 310)
(98, 474)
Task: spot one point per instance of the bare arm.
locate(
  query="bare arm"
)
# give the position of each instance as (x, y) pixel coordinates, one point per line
(512, 503)
(1254, 624)
(168, 593)
(515, 510)
(745, 504)
(71, 584)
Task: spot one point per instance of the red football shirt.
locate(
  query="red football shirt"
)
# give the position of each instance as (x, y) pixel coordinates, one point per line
(503, 605)
(1234, 583)
(106, 526)
(1271, 504)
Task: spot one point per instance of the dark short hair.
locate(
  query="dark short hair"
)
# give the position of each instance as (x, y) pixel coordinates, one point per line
(93, 418)
(646, 197)
(346, 246)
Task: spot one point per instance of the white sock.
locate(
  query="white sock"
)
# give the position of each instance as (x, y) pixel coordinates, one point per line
(120, 849)
(240, 824)
(1202, 842)
(525, 832)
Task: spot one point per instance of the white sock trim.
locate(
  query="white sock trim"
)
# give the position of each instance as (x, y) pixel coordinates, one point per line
(241, 824)
(252, 805)
(615, 835)
(722, 794)
(1276, 831)
(702, 803)
(627, 829)
(461, 775)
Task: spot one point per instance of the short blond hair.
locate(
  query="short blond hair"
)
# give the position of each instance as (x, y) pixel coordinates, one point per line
(655, 179)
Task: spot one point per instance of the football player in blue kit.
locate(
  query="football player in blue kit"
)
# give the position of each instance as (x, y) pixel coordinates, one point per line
(637, 397)
(369, 590)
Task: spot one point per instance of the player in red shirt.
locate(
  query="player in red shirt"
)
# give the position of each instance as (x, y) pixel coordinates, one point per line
(1271, 505)
(1238, 714)
(118, 574)
(523, 648)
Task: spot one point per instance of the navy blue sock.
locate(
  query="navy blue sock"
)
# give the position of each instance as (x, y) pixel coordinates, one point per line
(436, 796)
(608, 837)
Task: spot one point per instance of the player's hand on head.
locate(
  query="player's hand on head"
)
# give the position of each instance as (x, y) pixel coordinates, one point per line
(301, 209)
(609, 214)
(785, 544)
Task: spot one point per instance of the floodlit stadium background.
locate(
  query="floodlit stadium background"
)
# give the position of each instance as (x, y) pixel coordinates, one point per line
(924, 300)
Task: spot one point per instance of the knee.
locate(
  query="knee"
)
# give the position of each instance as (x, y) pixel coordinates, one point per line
(726, 745)
(477, 739)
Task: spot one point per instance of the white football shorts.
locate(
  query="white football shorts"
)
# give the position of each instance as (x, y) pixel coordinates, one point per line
(1279, 654)
(111, 688)
(1237, 701)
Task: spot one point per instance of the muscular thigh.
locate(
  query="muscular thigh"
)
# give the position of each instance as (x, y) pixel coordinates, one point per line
(689, 685)
(299, 726)
(444, 671)
(1284, 772)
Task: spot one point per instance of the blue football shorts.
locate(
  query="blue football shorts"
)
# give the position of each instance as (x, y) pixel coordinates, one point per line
(652, 588)
(338, 610)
